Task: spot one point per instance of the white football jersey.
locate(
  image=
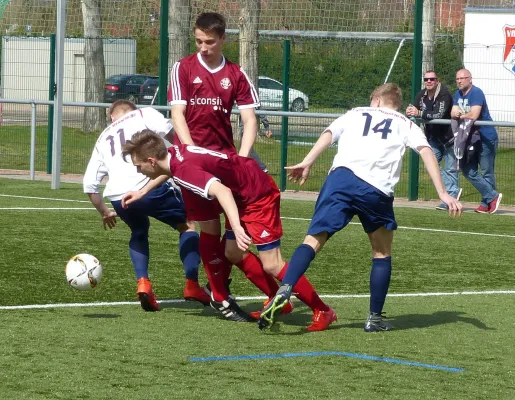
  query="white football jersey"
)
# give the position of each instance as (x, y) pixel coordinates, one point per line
(107, 155)
(371, 143)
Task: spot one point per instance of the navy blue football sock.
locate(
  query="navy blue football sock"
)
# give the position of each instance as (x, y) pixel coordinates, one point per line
(138, 250)
(189, 252)
(299, 263)
(379, 282)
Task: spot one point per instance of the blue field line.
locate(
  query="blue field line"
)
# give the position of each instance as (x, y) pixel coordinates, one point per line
(327, 353)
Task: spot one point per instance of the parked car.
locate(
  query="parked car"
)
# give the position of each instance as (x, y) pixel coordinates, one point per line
(271, 96)
(147, 91)
(124, 87)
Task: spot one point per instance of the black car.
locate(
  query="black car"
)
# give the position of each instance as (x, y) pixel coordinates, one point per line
(124, 87)
(147, 91)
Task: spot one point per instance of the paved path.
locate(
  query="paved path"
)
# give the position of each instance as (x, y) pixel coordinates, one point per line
(289, 194)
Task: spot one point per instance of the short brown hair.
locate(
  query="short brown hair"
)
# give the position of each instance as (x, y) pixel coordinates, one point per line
(145, 144)
(211, 22)
(122, 105)
(390, 93)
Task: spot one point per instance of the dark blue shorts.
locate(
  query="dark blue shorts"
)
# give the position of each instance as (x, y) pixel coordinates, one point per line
(343, 196)
(163, 203)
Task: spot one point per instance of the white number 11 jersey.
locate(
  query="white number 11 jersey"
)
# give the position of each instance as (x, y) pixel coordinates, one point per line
(107, 155)
(371, 143)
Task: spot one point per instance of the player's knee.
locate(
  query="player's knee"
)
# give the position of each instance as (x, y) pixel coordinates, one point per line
(234, 255)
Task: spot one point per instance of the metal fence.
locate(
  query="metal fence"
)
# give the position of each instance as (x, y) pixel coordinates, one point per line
(25, 144)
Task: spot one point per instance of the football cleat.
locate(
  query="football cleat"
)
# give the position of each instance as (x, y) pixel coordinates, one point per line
(231, 311)
(288, 308)
(274, 307)
(322, 320)
(193, 292)
(375, 323)
(146, 296)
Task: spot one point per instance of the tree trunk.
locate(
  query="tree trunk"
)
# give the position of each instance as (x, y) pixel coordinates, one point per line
(248, 25)
(428, 36)
(179, 31)
(94, 87)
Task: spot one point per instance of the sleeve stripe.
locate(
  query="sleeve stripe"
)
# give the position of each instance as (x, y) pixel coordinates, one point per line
(195, 189)
(253, 92)
(176, 85)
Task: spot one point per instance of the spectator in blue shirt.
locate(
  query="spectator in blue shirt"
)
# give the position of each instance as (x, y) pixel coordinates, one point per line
(470, 103)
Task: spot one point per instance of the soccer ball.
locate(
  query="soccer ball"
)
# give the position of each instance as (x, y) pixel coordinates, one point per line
(83, 272)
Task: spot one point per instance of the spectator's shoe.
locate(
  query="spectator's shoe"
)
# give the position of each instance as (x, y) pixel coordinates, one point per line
(231, 311)
(494, 204)
(459, 194)
(322, 320)
(208, 289)
(146, 296)
(482, 209)
(193, 292)
(442, 206)
(288, 308)
(274, 307)
(375, 323)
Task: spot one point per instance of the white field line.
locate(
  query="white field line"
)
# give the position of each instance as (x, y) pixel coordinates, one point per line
(247, 298)
(288, 218)
(423, 229)
(43, 198)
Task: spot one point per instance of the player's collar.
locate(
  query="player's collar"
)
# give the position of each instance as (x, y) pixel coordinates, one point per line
(211, 70)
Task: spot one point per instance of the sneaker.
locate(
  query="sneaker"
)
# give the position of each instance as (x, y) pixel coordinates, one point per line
(193, 292)
(322, 320)
(288, 308)
(494, 204)
(375, 323)
(208, 289)
(231, 311)
(482, 209)
(442, 206)
(274, 307)
(146, 296)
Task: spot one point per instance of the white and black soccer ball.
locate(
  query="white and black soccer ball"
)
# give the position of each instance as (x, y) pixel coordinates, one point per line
(83, 272)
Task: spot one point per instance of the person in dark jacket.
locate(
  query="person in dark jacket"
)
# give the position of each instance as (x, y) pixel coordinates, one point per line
(435, 102)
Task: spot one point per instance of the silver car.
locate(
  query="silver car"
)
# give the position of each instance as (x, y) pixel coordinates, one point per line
(271, 96)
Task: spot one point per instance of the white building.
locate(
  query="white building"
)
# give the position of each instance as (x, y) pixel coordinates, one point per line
(26, 65)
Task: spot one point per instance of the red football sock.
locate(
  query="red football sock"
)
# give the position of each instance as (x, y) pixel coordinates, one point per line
(227, 271)
(214, 264)
(305, 292)
(253, 269)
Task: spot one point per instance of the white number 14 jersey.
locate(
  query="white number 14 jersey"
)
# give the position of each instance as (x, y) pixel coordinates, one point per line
(107, 155)
(371, 143)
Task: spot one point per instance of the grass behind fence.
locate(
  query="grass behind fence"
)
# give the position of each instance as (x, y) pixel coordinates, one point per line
(77, 147)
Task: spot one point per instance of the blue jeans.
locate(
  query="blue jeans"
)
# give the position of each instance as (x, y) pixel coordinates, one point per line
(449, 171)
(483, 181)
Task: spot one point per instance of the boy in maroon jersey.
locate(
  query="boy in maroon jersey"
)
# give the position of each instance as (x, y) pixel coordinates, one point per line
(248, 196)
(204, 87)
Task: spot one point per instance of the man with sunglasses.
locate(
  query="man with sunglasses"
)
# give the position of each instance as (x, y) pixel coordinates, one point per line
(435, 102)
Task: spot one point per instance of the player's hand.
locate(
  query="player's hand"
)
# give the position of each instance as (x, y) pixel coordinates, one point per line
(130, 197)
(300, 171)
(109, 220)
(268, 133)
(242, 240)
(455, 207)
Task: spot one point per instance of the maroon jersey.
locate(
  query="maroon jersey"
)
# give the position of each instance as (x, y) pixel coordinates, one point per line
(196, 168)
(209, 96)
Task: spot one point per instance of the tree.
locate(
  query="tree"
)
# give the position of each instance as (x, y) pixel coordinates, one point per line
(428, 36)
(94, 88)
(178, 30)
(248, 24)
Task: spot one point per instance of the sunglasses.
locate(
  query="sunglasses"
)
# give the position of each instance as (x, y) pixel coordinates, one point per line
(429, 79)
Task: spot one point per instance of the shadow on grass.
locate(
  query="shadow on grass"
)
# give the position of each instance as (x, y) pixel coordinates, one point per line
(106, 316)
(414, 321)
